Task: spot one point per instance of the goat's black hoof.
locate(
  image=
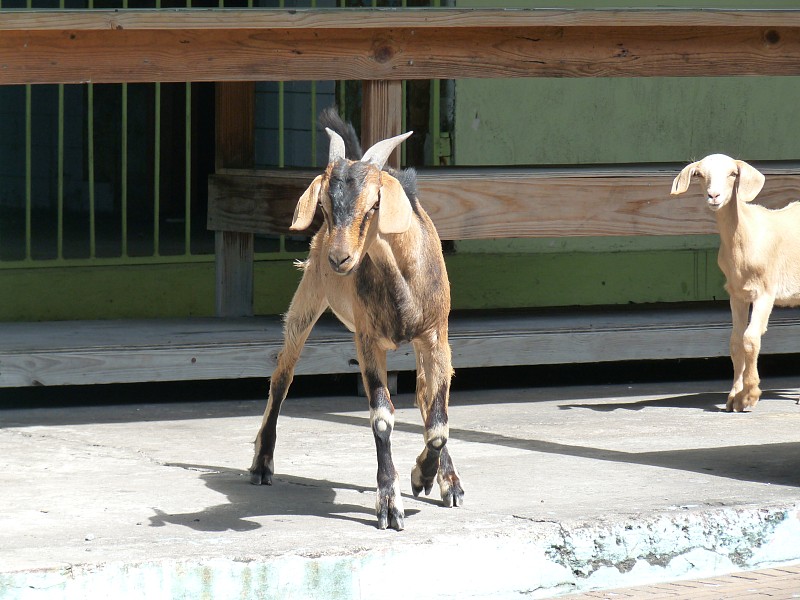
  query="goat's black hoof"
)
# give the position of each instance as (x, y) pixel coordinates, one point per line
(454, 497)
(419, 482)
(392, 518)
(261, 478)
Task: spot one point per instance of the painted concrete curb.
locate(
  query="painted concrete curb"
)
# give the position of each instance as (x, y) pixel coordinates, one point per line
(539, 559)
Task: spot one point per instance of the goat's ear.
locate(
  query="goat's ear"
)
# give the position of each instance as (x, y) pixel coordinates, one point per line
(749, 182)
(681, 183)
(306, 206)
(394, 214)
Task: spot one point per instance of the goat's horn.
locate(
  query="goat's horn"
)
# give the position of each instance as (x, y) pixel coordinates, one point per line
(379, 153)
(336, 150)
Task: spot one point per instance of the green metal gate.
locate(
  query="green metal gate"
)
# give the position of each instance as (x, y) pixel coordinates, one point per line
(101, 182)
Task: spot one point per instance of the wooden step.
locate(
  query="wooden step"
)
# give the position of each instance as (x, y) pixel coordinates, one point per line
(92, 352)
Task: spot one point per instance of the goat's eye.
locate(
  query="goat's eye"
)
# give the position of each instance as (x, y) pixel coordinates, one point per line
(375, 206)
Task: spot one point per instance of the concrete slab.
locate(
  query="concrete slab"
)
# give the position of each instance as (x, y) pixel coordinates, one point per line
(568, 489)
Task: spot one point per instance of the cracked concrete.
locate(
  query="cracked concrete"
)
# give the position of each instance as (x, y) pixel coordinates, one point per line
(567, 489)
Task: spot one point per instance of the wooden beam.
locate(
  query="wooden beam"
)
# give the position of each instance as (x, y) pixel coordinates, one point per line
(502, 203)
(373, 44)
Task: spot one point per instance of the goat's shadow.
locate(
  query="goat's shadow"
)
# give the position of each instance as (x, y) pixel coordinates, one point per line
(288, 496)
(707, 401)
(771, 463)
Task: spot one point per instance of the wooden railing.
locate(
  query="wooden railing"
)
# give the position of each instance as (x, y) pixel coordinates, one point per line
(392, 44)
(382, 47)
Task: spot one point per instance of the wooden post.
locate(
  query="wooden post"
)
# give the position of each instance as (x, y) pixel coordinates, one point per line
(235, 146)
(381, 118)
(382, 114)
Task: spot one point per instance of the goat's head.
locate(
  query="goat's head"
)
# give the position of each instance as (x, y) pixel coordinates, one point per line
(358, 200)
(724, 179)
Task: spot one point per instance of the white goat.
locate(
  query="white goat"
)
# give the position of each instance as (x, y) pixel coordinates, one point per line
(759, 254)
(377, 263)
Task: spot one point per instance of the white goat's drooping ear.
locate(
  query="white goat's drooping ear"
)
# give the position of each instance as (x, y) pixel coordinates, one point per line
(306, 206)
(394, 213)
(681, 183)
(336, 149)
(749, 182)
(379, 153)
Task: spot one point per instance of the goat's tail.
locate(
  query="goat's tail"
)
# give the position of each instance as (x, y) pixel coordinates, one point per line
(329, 117)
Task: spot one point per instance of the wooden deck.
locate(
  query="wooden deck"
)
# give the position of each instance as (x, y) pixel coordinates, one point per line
(76, 353)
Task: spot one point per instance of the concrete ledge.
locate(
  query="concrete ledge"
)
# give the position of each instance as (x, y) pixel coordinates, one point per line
(537, 560)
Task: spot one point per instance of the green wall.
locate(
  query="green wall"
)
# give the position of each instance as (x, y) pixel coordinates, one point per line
(133, 291)
(547, 121)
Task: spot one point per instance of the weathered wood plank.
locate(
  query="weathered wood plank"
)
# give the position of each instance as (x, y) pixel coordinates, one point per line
(92, 352)
(499, 203)
(383, 18)
(269, 44)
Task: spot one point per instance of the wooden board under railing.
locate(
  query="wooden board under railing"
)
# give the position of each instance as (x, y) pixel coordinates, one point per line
(489, 203)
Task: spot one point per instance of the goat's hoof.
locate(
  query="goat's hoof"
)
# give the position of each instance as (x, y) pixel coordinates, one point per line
(452, 493)
(419, 482)
(389, 506)
(261, 471)
(264, 478)
(392, 518)
(745, 400)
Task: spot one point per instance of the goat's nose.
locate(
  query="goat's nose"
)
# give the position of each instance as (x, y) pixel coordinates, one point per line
(338, 260)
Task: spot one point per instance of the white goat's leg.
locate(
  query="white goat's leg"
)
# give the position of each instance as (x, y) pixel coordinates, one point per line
(435, 461)
(739, 312)
(750, 393)
(389, 501)
(304, 311)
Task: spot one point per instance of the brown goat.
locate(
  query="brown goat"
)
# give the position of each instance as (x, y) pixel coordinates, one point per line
(377, 264)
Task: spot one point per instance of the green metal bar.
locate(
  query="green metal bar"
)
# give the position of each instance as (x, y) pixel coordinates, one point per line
(434, 124)
(123, 165)
(187, 211)
(60, 183)
(90, 160)
(313, 124)
(188, 173)
(28, 176)
(124, 172)
(281, 127)
(157, 172)
(60, 167)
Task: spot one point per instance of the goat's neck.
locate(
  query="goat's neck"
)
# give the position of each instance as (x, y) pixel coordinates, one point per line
(732, 221)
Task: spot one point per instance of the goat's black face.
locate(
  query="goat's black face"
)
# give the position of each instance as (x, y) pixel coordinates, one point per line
(349, 207)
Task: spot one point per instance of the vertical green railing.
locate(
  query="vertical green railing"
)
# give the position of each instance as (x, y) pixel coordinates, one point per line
(113, 189)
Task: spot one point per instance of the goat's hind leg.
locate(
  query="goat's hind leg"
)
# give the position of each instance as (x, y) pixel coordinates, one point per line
(751, 392)
(306, 307)
(434, 371)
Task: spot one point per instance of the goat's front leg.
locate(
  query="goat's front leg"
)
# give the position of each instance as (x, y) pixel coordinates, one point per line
(306, 307)
(389, 502)
(759, 317)
(739, 313)
(433, 395)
